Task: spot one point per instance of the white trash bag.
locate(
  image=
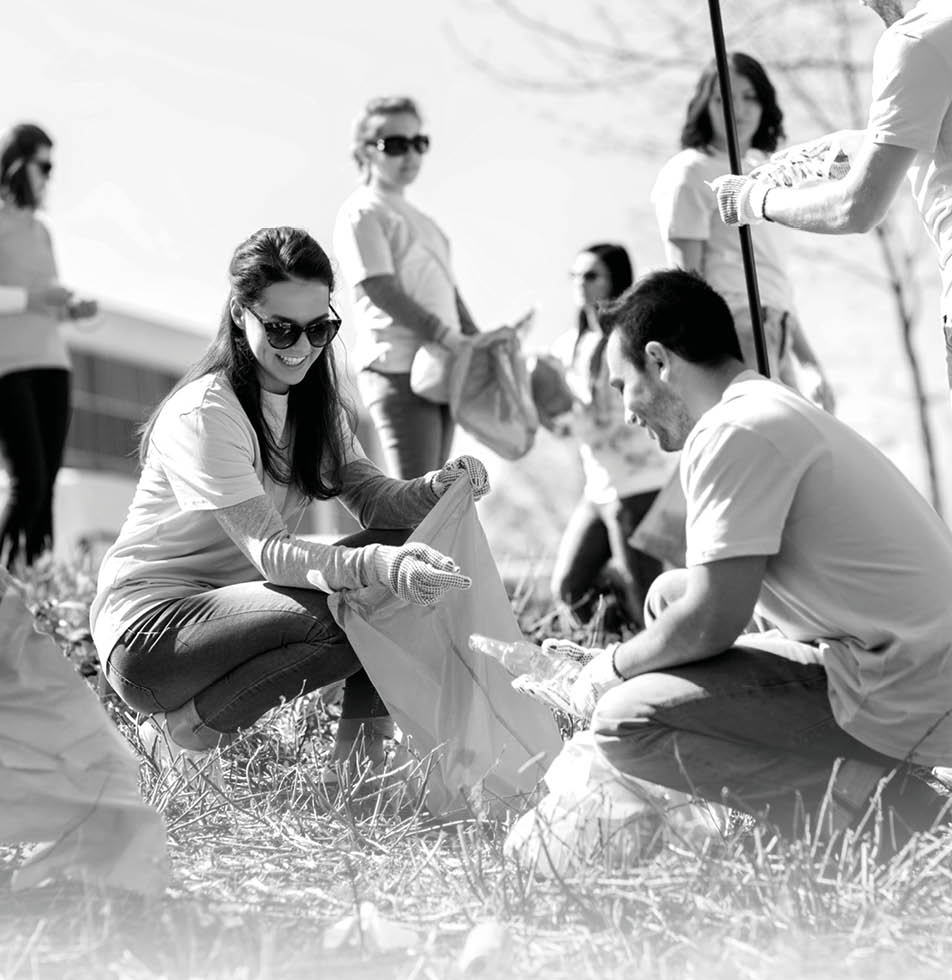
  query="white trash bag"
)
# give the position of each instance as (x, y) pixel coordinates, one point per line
(593, 813)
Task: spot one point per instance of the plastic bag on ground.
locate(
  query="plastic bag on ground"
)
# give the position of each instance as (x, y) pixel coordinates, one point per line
(486, 736)
(67, 777)
(595, 813)
(490, 395)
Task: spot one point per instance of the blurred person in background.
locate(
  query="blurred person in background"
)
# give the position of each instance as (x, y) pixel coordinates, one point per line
(34, 362)
(908, 134)
(397, 262)
(696, 239)
(210, 609)
(623, 467)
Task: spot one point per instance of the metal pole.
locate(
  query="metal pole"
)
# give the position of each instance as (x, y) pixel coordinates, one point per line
(733, 152)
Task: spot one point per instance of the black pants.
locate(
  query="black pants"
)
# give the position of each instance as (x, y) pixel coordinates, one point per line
(34, 417)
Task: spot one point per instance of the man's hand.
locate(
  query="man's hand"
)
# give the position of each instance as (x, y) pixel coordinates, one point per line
(740, 200)
(598, 676)
(468, 466)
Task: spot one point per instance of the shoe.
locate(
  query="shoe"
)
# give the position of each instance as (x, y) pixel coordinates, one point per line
(199, 769)
(914, 800)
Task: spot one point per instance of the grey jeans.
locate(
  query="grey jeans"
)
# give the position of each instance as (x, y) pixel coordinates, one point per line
(751, 727)
(240, 650)
(415, 435)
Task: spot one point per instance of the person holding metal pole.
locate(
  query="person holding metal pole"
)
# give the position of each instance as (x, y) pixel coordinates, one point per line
(908, 133)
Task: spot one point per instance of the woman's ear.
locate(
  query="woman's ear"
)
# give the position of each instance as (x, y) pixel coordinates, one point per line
(237, 312)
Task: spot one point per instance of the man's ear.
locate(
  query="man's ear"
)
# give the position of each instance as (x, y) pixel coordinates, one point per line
(659, 357)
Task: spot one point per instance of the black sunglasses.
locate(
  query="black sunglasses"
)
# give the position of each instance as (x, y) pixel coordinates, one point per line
(283, 334)
(398, 146)
(590, 275)
(45, 167)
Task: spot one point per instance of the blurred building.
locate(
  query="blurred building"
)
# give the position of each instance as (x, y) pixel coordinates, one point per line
(122, 368)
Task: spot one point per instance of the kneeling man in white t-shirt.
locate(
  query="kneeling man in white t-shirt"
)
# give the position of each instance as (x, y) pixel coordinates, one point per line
(795, 518)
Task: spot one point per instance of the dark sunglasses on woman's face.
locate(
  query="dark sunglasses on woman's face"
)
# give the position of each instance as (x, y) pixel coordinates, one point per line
(590, 275)
(45, 167)
(283, 334)
(398, 146)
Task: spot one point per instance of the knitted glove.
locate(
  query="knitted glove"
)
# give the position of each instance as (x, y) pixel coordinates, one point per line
(442, 480)
(417, 573)
(569, 650)
(740, 200)
(597, 677)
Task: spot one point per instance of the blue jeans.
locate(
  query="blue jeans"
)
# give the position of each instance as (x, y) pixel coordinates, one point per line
(240, 650)
(751, 727)
(594, 536)
(415, 435)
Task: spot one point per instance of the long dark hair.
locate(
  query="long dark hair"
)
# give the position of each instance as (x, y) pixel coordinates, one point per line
(621, 275)
(18, 146)
(317, 443)
(697, 131)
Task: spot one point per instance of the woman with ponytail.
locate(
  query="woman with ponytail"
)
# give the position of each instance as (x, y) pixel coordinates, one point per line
(623, 468)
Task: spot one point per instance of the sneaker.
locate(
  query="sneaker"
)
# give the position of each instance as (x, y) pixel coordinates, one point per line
(197, 768)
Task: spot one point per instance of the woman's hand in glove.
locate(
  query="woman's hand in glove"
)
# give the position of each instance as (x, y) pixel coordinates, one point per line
(469, 466)
(417, 573)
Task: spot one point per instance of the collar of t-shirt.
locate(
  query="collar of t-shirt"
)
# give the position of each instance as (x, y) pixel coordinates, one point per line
(274, 408)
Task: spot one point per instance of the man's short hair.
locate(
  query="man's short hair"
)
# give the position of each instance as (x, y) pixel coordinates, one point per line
(679, 310)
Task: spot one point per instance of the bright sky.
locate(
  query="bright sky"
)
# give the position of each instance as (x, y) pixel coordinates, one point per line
(181, 127)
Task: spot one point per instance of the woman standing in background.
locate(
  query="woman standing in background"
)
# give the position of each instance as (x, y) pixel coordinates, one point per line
(397, 261)
(624, 468)
(697, 240)
(34, 362)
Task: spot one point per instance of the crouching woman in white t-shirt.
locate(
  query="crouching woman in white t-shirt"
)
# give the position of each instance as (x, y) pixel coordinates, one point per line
(210, 611)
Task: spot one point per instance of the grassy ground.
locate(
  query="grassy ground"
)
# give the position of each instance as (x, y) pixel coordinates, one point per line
(263, 871)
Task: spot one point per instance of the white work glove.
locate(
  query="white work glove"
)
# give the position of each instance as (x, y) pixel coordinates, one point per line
(417, 573)
(740, 200)
(471, 467)
(597, 676)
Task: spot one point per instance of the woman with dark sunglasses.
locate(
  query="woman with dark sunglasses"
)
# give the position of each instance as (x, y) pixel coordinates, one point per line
(622, 466)
(34, 362)
(210, 609)
(397, 261)
(697, 240)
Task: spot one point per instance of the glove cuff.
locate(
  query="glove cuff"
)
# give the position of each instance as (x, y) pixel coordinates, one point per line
(756, 197)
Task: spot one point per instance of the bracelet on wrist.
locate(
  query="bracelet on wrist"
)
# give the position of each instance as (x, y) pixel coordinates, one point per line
(614, 649)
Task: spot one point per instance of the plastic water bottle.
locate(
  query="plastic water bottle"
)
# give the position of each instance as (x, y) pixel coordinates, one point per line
(519, 657)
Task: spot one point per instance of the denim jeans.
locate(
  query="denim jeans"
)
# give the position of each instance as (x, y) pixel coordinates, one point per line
(415, 435)
(594, 536)
(240, 650)
(751, 727)
(34, 418)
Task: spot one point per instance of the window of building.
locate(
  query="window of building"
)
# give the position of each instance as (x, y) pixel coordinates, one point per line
(111, 399)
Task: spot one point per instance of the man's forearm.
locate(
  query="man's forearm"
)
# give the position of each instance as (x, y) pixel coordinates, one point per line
(826, 209)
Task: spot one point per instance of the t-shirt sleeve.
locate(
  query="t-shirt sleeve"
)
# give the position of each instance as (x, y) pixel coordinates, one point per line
(207, 455)
(361, 246)
(739, 489)
(683, 203)
(912, 92)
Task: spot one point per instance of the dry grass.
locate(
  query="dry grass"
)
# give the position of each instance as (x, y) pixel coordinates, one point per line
(263, 868)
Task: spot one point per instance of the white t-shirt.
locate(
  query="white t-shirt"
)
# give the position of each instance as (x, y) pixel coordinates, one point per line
(912, 107)
(378, 233)
(860, 565)
(686, 208)
(618, 460)
(203, 456)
